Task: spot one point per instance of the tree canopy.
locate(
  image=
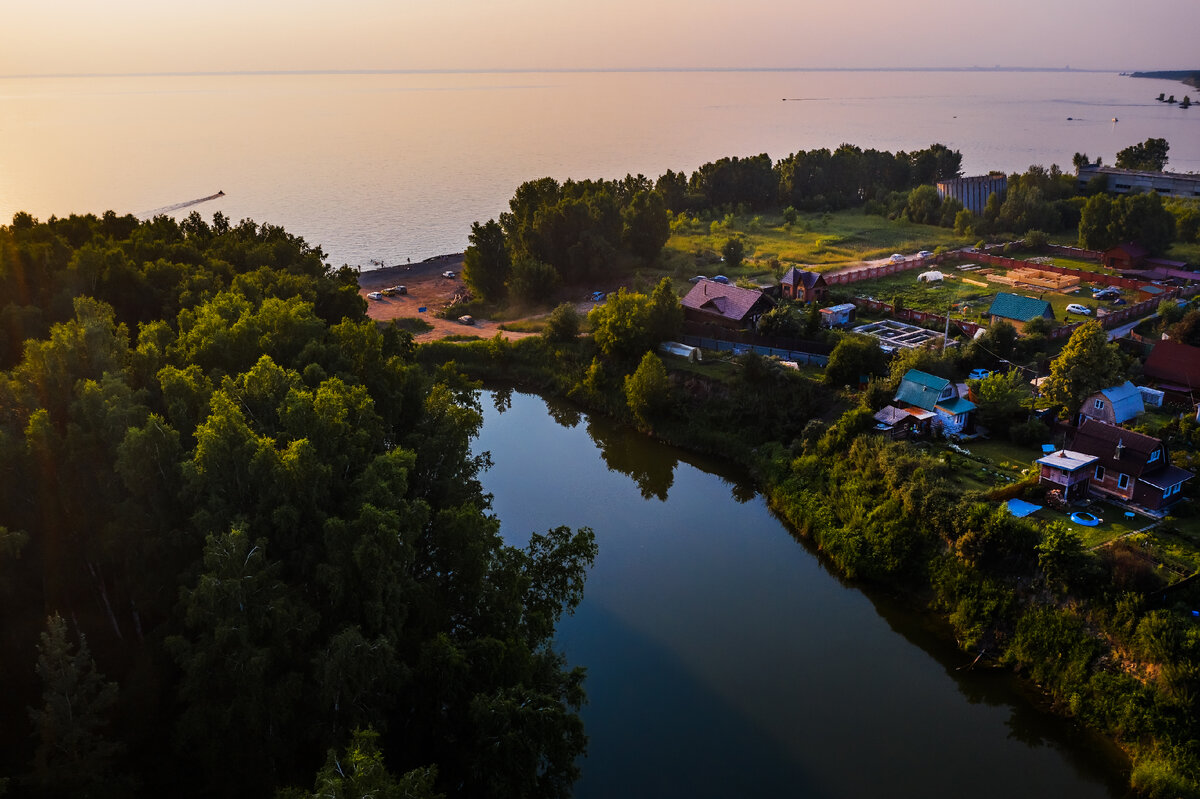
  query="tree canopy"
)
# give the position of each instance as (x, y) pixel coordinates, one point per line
(264, 522)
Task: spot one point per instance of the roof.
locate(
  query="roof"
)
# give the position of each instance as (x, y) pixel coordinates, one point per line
(1150, 288)
(1129, 249)
(1102, 440)
(1175, 363)
(842, 308)
(1165, 478)
(1021, 309)
(729, 301)
(1126, 401)
(920, 389)
(956, 406)
(799, 277)
(891, 415)
(1068, 460)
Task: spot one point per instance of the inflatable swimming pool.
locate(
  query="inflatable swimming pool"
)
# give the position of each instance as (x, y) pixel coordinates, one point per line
(1086, 519)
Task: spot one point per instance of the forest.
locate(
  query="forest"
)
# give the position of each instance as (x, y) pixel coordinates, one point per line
(243, 547)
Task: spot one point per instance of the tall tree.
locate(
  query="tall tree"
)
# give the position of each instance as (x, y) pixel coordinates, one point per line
(1150, 155)
(1086, 364)
(73, 758)
(486, 263)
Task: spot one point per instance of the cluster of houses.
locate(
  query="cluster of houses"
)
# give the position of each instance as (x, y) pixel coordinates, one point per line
(1104, 459)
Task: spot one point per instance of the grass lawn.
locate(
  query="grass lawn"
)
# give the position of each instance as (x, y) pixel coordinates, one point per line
(1114, 524)
(1005, 456)
(814, 240)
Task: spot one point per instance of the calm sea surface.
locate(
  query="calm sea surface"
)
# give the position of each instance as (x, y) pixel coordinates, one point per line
(723, 659)
(394, 166)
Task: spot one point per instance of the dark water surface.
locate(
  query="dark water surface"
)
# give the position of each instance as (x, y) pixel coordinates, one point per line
(725, 660)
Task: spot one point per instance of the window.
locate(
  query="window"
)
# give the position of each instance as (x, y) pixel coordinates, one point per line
(1100, 473)
(1123, 481)
(1099, 404)
(1153, 456)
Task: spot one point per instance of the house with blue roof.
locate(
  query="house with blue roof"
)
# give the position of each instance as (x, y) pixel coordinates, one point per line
(1116, 405)
(935, 401)
(1018, 310)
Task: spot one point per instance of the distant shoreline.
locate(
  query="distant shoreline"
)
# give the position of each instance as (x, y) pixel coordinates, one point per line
(537, 71)
(1188, 77)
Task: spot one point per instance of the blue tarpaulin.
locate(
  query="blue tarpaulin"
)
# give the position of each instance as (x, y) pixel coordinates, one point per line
(1049, 448)
(1020, 508)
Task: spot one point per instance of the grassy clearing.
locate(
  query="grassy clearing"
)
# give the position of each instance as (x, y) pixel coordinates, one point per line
(814, 240)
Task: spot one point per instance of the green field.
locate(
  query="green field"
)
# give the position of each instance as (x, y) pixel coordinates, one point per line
(815, 240)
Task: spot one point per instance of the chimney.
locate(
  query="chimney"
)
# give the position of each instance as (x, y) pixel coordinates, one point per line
(1062, 453)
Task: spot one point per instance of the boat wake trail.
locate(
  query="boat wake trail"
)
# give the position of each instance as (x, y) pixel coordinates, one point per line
(166, 209)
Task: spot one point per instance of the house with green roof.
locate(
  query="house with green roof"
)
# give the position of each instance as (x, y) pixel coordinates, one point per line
(935, 401)
(1018, 310)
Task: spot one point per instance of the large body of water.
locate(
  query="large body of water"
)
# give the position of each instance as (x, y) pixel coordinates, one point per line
(388, 167)
(724, 660)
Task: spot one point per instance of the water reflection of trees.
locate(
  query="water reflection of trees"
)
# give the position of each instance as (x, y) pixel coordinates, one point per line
(651, 465)
(563, 413)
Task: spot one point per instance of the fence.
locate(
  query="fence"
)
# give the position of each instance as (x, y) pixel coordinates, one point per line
(740, 347)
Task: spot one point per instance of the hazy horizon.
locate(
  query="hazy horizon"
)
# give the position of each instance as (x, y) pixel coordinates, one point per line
(135, 37)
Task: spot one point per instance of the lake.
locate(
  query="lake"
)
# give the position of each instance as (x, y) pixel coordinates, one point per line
(395, 166)
(725, 660)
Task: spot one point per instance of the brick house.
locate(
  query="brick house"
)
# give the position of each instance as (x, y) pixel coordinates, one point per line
(797, 284)
(1175, 369)
(1130, 467)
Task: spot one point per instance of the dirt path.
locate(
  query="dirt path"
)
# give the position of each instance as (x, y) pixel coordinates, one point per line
(428, 289)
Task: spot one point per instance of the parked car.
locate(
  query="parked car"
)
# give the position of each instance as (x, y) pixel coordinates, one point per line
(466, 319)
(1079, 309)
(721, 279)
(449, 273)
(399, 289)
(896, 258)
(697, 279)
(979, 374)
(375, 295)
(597, 296)
(924, 254)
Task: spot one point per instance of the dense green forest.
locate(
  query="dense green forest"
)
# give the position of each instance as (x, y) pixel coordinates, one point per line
(241, 531)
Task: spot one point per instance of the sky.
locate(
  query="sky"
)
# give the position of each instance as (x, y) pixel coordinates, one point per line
(152, 36)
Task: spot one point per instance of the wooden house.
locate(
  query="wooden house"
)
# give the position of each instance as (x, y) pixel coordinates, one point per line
(724, 305)
(1068, 471)
(1116, 405)
(1175, 369)
(1130, 467)
(920, 391)
(1018, 310)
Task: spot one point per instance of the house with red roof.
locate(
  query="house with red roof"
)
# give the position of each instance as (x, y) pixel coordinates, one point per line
(1130, 467)
(797, 284)
(1175, 369)
(724, 305)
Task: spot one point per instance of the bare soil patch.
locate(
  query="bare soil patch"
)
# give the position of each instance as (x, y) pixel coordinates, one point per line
(428, 289)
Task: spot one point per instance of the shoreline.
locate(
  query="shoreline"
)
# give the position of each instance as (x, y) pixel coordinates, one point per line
(384, 276)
